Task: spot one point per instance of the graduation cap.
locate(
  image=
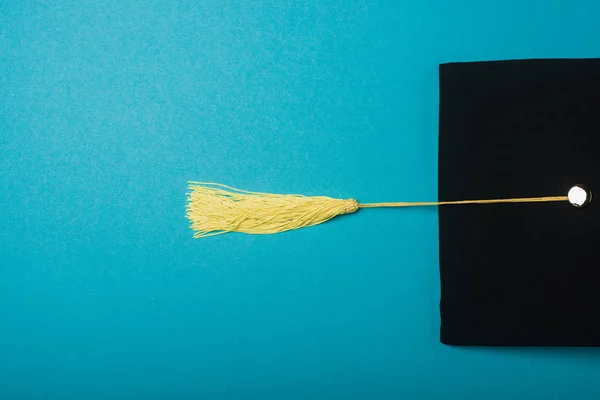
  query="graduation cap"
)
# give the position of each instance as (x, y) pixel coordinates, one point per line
(518, 231)
(520, 274)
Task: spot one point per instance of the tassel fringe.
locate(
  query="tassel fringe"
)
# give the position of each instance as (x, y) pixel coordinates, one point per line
(214, 209)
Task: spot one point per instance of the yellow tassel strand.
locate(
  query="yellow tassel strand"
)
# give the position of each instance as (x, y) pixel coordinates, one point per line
(214, 209)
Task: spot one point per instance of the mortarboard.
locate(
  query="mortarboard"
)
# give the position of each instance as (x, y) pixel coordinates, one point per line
(519, 274)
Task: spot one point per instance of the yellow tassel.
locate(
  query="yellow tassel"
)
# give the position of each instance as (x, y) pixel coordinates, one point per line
(214, 209)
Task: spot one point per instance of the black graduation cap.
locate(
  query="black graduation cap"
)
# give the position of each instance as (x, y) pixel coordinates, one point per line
(523, 274)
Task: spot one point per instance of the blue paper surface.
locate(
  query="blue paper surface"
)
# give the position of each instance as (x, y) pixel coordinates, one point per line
(108, 108)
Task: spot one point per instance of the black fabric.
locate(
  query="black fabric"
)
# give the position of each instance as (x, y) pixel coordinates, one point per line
(519, 274)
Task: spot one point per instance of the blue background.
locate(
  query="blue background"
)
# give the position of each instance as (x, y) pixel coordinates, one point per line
(108, 108)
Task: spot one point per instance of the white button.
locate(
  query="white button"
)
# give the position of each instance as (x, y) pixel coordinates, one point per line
(579, 196)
